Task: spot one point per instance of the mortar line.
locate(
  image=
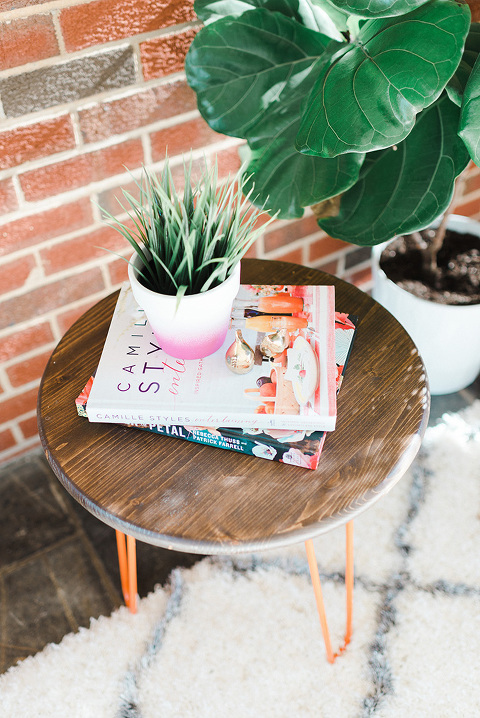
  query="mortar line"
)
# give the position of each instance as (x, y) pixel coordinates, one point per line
(19, 647)
(61, 596)
(113, 593)
(58, 31)
(34, 556)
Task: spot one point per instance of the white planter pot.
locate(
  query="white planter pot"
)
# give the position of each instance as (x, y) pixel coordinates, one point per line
(447, 337)
(199, 326)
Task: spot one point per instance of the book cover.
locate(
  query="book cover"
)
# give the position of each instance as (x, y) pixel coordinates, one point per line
(299, 448)
(137, 383)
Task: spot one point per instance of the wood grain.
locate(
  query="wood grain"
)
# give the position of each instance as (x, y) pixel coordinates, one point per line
(201, 499)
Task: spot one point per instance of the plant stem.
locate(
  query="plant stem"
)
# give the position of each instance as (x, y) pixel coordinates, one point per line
(435, 243)
(418, 239)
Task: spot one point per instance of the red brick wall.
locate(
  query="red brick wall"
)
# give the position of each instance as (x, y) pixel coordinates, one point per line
(88, 87)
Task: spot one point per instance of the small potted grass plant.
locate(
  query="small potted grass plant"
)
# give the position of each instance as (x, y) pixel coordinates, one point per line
(185, 270)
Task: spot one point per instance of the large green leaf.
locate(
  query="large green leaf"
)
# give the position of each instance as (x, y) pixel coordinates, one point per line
(377, 8)
(303, 11)
(338, 16)
(286, 181)
(368, 96)
(354, 25)
(404, 189)
(470, 114)
(240, 66)
(456, 85)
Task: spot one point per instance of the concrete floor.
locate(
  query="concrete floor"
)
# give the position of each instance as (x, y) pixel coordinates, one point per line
(58, 564)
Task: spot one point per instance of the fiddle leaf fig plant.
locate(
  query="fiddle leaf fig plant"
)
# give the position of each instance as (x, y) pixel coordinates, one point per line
(395, 67)
(373, 102)
(409, 182)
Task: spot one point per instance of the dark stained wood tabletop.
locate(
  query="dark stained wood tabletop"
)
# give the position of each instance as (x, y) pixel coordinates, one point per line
(200, 499)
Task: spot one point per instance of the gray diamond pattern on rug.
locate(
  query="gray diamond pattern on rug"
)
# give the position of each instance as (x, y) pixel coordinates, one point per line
(240, 637)
(433, 656)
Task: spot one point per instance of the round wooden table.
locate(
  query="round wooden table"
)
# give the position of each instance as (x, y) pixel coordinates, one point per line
(200, 499)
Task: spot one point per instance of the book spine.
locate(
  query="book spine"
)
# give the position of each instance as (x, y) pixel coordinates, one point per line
(261, 421)
(304, 452)
(292, 453)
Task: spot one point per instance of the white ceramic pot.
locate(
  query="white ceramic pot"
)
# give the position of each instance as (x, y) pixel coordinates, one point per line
(199, 326)
(447, 336)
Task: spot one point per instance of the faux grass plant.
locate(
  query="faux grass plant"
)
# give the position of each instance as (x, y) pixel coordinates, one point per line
(191, 244)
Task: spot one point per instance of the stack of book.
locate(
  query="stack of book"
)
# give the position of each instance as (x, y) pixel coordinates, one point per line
(285, 404)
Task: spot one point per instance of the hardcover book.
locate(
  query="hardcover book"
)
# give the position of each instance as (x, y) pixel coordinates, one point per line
(138, 383)
(299, 448)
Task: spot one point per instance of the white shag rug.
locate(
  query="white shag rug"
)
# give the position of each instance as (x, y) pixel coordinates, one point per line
(241, 638)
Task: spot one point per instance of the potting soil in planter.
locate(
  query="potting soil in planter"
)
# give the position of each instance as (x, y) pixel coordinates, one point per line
(456, 279)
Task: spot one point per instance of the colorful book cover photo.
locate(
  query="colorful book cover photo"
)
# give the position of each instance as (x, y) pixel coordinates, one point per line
(138, 383)
(298, 448)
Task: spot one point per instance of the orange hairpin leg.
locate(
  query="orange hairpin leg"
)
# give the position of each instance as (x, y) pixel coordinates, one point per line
(127, 561)
(317, 588)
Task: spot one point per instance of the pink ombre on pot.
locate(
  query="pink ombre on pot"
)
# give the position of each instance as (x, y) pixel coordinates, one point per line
(198, 326)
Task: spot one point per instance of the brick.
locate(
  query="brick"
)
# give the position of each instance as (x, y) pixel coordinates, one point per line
(27, 40)
(82, 170)
(8, 197)
(279, 236)
(29, 427)
(469, 209)
(357, 256)
(110, 199)
(165, 55)
(262, 219)
(77, 251)
(6, 5)
(329, 267)
(228, 162)
(143, 108)
(294, 256)
(361, 278)
(31, 142)
(7, 439)
(34, 229)
(178, 173)
(105, 20)
(472, 183)
(67, 82)
(13, 275)
(27, 370)
(325, 246)
(181, 138)
(20, 342)
(19, 404)
(475, 9)
(11, 455)
(50, 297)
(252, 252)
(66, 319)
(118, 271)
